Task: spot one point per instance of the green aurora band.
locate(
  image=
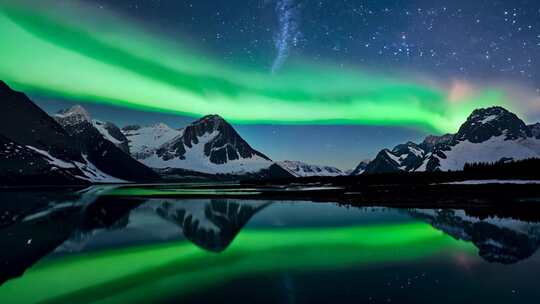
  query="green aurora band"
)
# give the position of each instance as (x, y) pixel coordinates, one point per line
(152, 273)
(75, 52)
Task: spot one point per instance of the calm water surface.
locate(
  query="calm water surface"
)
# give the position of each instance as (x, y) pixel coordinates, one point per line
(86, 247)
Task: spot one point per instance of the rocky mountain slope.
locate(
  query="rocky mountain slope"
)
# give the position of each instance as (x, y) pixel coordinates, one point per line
(360, 168)
(112, 133)
(36, 149)
(103, 146)
(489, 135)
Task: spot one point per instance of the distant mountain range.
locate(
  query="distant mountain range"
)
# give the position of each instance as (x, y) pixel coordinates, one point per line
(489, 135)
(72, 148)
(300, 169)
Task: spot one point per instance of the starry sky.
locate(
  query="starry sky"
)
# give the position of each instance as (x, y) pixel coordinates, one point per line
(300, 79)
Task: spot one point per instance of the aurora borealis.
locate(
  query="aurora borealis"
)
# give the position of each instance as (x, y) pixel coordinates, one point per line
(105, 58)
(331, 109)
(153, 273)
(324, 77)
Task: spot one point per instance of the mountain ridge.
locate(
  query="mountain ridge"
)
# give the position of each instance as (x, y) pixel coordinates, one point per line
(209, 145)
(302, 169)
(94, 139)
(488, 135)
(37, 149)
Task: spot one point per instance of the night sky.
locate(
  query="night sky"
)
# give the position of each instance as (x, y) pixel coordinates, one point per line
(329, 82)
(458, 39)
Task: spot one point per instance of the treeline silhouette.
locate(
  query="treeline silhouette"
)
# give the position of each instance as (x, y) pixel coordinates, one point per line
(523, 169)
(528, 168)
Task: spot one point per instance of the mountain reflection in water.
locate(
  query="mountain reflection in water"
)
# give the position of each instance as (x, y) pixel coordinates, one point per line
(71, 246)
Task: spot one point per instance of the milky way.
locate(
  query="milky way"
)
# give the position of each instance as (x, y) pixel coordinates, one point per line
(289, 32)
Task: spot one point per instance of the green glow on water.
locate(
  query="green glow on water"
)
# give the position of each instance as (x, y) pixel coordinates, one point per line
(78, 53)
(157, 272)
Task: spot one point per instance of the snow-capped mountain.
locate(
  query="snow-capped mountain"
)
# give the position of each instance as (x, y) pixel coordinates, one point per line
(102, 146)
(403, 157)
(144, 141)
(300, 169)
(36, 149)
(209, 145)
(489, 135)
(77, 115)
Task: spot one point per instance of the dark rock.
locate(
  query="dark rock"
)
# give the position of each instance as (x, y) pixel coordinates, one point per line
(483, 124)
(225, 146)
(535, 130)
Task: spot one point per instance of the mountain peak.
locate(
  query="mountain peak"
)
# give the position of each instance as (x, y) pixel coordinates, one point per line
(405, 148)
(212, 119)
(488, 115)
(360, 168)
(483, 124)
(225, 144)
(162, 125)
(208, 145)
(74, 115)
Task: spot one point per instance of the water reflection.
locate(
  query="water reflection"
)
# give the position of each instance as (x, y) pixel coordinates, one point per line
(82, 246)
(501, 240)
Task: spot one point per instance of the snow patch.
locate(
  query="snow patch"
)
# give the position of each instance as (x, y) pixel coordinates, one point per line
(490, 151)
(417, 152)
(100, 126)
(488, 119)
(393, 157)
(196, 160)
(53, 160)
(144, 141)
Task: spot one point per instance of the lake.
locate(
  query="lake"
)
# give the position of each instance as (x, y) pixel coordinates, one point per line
(109, 245)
